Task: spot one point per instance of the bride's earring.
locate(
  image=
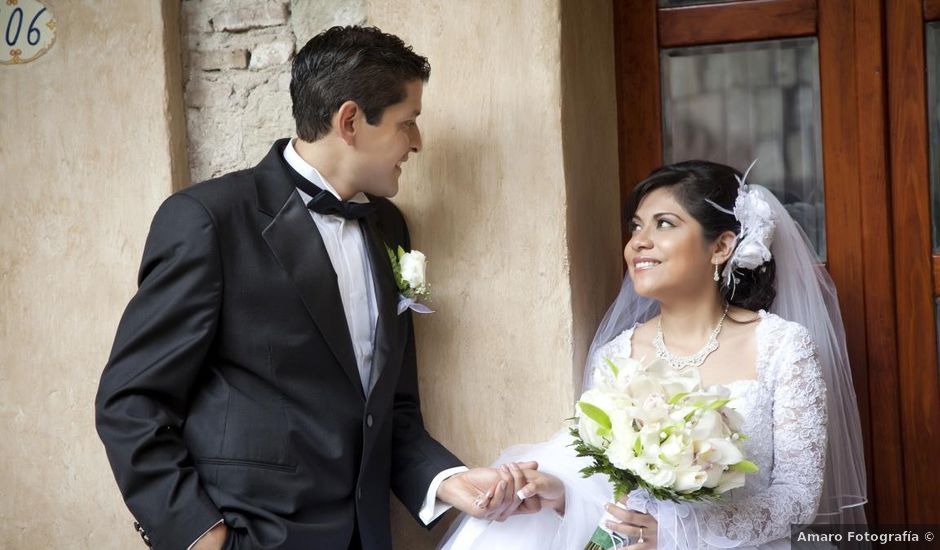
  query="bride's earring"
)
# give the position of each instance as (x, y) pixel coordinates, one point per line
(716, 273)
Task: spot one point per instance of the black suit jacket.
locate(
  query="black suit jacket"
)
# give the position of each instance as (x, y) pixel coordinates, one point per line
(232, 389)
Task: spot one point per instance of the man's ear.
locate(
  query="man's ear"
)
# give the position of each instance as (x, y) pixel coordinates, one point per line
(346, 121)
(723, 247)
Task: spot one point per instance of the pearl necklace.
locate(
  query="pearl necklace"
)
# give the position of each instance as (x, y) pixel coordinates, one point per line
(694, 360)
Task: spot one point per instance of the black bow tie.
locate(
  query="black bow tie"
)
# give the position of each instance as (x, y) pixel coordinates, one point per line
(326, 203)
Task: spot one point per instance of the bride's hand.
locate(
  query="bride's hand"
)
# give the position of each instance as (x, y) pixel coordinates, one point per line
(515, 478)
(545, 489)
(633, 524)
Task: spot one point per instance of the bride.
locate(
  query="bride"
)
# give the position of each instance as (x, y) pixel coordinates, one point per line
(720, 280)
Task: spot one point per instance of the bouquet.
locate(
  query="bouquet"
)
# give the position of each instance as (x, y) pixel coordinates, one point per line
(651, 427)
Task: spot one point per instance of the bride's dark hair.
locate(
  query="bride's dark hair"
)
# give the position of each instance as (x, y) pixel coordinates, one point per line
(691, 183)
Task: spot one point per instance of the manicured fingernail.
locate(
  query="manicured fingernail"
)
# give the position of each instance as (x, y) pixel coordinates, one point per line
(522, 494)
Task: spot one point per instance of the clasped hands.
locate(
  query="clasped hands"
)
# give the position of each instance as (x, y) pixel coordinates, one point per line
(498, 493)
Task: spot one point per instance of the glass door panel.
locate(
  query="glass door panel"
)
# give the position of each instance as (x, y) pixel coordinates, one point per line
(737, 102)
(933, 124)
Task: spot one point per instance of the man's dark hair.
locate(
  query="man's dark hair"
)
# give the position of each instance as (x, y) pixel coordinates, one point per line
(361, 64)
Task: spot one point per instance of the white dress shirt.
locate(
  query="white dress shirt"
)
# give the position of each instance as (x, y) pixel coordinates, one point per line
(346, 248)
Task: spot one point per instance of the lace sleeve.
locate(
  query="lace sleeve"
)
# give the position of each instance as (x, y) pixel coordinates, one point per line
(799, 454)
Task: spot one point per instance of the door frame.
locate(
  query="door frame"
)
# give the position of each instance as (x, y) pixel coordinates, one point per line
(917, 270)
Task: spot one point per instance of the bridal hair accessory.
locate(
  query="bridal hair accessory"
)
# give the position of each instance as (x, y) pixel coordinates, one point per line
(753, 242)
(411, 279)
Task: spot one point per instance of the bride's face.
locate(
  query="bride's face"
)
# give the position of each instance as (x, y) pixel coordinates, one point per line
(667, 256)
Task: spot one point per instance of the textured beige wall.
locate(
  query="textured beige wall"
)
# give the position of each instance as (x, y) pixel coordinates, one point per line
(513, 187)
(84, 162)
(589, 137)
(511, 200)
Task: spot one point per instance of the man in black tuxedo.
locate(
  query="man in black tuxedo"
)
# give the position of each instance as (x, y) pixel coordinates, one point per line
(262, 390)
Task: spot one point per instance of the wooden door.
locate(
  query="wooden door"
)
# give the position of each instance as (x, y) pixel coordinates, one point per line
(863, 241)
(913, 141)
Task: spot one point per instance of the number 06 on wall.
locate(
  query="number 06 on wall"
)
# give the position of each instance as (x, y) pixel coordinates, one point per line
(27, 30)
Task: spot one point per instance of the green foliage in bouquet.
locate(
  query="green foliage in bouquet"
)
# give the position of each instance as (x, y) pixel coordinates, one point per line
(625, 481)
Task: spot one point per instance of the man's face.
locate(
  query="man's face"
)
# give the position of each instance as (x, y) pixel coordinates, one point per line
(381, 149)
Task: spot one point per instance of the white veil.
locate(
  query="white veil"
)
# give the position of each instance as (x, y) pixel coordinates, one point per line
(628, 309)
(806, 295)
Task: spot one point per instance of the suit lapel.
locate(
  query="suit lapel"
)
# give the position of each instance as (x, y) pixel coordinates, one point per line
(296, 242)
(389, 331)
(386, 296)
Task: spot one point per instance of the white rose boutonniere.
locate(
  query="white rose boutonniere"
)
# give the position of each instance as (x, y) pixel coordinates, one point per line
(410, 269)
(413, 271)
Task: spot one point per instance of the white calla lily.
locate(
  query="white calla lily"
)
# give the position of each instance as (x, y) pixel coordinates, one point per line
(731, 479)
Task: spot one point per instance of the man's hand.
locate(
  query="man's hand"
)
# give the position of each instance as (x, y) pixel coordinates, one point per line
(214, 539)
(484, 493)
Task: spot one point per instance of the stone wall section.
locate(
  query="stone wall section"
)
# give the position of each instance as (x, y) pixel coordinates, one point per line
(236, 62)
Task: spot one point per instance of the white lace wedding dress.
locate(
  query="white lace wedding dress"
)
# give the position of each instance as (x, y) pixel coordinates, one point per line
(785, 420)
